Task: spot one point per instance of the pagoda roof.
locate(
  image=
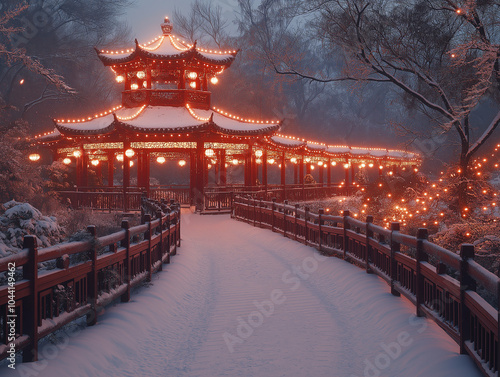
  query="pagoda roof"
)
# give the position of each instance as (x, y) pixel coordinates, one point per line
(163, 119)
(167, 48)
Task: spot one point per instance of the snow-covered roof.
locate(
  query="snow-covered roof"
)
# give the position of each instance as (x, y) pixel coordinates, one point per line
(167, 47)
(164, 119)
(287, 141)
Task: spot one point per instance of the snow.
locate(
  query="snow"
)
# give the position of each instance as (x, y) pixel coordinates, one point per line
(335, 149)
(315, 147)
(329, 318)
(287, 142)
(162, 117)
(99, 123)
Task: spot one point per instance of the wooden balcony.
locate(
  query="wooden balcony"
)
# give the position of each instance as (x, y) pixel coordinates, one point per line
(171, 97)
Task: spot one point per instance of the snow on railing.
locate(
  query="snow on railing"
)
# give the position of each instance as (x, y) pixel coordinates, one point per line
(450, 288)
(87, 275)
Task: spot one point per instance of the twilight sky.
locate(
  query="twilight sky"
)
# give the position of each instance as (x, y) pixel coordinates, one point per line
(145, 16)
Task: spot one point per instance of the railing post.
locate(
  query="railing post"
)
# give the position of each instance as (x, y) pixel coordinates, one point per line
(273, 208)
(347, 226)
(421, 256)
(168, 232)
(295, 227)
(128, 273)
(147, 236)
(368, 248)
(321, 212)
(395, 247)
(306, 215)
(260, 212)
(30, 305)
(285, 203)
(92, 283)
(254, 211)
(466, 283)
(160, 244)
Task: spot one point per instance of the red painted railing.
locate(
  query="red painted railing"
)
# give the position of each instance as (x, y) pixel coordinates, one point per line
(447, 287)
(87, 276)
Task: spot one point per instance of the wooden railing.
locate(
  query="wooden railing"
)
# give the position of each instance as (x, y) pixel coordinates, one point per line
(87, 275)
(103, 200)
(166, 97)
(444, 286)
(220, 198)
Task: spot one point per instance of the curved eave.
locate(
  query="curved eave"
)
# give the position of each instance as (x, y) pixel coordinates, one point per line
(265, 131)
(147, 130)
(192, 53)
(67, 131)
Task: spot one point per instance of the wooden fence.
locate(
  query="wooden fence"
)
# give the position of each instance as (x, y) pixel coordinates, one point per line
(442, 284)
(87, 275)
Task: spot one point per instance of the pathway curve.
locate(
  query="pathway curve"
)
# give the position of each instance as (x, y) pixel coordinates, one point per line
(242, 301)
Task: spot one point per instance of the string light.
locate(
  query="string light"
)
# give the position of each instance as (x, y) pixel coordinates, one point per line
(34, 157)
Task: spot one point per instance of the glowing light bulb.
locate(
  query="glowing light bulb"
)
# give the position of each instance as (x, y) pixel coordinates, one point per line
(182, 163)
(214, 80)
(209, 153)
(67, 161)
(119, 79)
(334, 163)
(161, 160)
(141, 75)
(34, 157)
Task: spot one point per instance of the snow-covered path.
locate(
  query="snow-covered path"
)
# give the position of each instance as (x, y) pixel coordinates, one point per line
(243, 301)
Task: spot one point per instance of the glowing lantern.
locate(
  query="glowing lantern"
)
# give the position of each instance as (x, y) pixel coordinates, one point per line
(119, 79)
(334, 163)
(320, 163)
(192, 75)
(67, 161)
(119, 157)
(209, 153)
(209, 166)
(370, 165)
(34, 157)
(214, 80)
(77, 153)
(161, 160)
(259, 161)
(141, 75)
(134, 86)
(129, 153)
(235, 161)
(94, 162)
(192, 84)
(312, 167)
(271, 161)
(258, 153)
(293, 160)
(307, 159)
(182, 163)
(363, 165)
(346, 166)
(131, 163)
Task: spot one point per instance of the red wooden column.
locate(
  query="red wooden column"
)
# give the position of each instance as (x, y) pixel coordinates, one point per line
(192, 174)
(347, 180)
(283, 169)
(321, 170)
(295, 174)
(182, 82)
(247, 168)
(301, 171)
(308, 167)
(264, 168)
(329, 173)
(223, 169)
(200, 168)
(85, 169)
(146, 171)
(352, 173)
(140, 170)
(148, 78)
(126, 166)
(253, 170)
(111, 161)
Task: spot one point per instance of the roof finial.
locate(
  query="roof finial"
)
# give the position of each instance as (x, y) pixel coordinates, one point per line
(166, 27)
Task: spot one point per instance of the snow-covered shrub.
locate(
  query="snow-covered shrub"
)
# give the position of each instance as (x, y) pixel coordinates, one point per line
(21, 219)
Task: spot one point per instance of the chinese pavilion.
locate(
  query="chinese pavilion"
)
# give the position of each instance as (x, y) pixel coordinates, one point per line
(166, 114)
